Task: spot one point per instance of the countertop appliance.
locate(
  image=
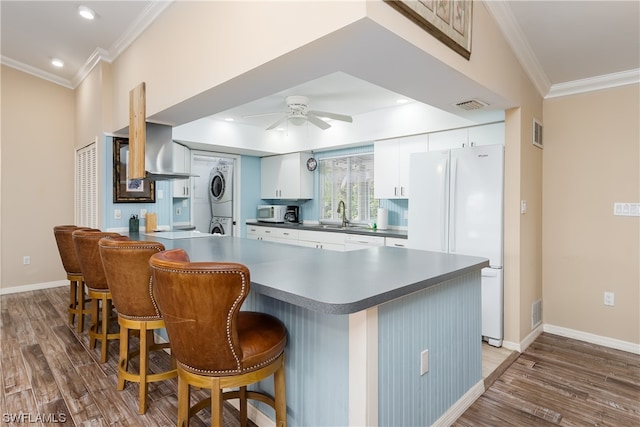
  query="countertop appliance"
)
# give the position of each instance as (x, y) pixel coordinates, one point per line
(292, 214)
(456, 206)
(271, 213)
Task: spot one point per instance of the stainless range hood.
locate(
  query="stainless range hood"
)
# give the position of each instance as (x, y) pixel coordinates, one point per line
(159, 163)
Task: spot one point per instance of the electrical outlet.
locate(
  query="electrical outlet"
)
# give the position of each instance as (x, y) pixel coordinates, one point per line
(117, 214)
(160, 194)
(143, 213)
(609, 298)
(424, 362)
(26, 260)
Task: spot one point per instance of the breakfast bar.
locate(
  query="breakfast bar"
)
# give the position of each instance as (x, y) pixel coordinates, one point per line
(379, 336)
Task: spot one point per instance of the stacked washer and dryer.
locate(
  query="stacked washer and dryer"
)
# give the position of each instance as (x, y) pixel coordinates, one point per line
(221, 196)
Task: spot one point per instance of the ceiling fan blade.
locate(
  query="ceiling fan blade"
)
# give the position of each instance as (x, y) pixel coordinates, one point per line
(277, 123)
(334, 116)
(318, 122)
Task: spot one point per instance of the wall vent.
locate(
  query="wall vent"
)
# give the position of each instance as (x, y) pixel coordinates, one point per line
(537, 133)
(536, 313)
(472, 104)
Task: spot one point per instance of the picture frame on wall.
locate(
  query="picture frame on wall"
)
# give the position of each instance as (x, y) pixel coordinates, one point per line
(128, 190)
(447, 20)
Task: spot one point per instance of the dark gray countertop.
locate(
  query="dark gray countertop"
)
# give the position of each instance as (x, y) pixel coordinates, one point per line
(400, 234)
(327, 281)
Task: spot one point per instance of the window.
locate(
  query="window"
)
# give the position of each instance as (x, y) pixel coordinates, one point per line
(350, 179)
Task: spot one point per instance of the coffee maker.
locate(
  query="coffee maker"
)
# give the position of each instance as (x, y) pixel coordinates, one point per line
(292, 214)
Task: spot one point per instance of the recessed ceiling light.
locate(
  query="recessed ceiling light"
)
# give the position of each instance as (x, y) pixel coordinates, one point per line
(401, 101)
(229, 119)
(59, 63)
(86, 13)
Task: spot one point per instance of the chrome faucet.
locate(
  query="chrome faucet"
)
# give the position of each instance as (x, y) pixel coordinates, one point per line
(345, 221)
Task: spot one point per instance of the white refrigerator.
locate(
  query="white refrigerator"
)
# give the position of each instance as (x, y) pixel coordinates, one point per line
(456, 206)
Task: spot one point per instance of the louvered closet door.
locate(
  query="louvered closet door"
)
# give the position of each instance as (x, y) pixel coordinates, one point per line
(87, 186)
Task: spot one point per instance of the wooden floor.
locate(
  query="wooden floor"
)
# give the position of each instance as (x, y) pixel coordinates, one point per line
(560, 381)
(48, 373)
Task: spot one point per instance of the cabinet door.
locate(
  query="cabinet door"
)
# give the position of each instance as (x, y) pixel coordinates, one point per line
(181, 163)
(406, 147)
(487, 135)
(289, 176)
(270, 177)
(449, 139)
(385, 166)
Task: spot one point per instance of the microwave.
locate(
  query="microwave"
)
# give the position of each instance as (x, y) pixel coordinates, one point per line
(271, 213)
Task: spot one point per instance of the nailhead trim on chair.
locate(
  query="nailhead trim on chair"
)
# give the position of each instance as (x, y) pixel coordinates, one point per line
(229, 314)
(239, 371)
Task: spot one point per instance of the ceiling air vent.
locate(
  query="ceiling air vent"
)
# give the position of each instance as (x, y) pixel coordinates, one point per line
(472, 104)
(537, 133)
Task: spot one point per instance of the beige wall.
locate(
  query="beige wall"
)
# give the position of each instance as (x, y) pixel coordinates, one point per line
(37, 176)
(591, 160)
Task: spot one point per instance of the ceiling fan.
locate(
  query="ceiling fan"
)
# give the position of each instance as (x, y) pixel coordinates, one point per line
(298, 113)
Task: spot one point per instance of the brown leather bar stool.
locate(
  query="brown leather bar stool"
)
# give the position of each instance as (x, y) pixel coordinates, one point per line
(126, 266)
(71, 265)
(216, 345)
(86, 243)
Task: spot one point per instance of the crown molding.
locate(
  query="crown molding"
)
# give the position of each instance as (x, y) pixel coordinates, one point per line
(137, 27)
(514, 36)
(37, 72)
(595, 83)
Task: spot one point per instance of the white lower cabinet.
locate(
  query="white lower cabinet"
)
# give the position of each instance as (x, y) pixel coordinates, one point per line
(326, 240)
(273, 234)
(322, 240)
(354, 242)
(396, 242)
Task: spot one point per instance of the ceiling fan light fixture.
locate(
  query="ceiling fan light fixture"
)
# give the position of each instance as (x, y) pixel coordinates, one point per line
(297, 119)
(86, 13)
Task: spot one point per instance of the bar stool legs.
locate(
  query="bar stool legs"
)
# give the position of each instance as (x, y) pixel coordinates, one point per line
(100, 316)
(147, 344)
(77, 301)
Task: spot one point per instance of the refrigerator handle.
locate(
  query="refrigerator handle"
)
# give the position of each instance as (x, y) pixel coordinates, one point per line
(452, 195)
(443, 207)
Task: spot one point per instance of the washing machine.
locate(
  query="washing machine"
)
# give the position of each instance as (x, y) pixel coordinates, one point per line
(221, 225)
(221, 188)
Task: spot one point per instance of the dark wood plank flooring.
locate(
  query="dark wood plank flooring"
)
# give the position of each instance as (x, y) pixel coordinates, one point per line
(561, 381)
(49, 376)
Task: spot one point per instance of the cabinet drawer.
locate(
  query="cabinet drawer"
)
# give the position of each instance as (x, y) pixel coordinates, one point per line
(364, 240)
(281, 233)
(396, 242)
(320, 236)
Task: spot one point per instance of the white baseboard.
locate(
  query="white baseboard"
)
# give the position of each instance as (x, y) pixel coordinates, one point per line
(33, 287)
(458, 408)
(526, 342)
(593, 339)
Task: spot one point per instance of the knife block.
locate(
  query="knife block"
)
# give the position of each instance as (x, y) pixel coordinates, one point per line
(151, 222)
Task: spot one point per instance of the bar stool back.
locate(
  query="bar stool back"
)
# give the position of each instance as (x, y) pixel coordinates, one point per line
(86, 243)
(71, 265)
(216, 345)
(126, 267)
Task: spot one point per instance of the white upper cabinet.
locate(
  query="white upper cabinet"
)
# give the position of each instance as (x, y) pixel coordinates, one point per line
(181, 163)
(487, 135)
(391, 165)
(468, 137)
(286, 177)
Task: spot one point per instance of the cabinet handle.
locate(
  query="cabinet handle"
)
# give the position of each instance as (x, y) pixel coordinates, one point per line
(402, 191)
(267, 231)
(395, 191)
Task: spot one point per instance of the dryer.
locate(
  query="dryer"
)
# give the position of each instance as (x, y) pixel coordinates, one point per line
(221, 225)
(221, 188)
